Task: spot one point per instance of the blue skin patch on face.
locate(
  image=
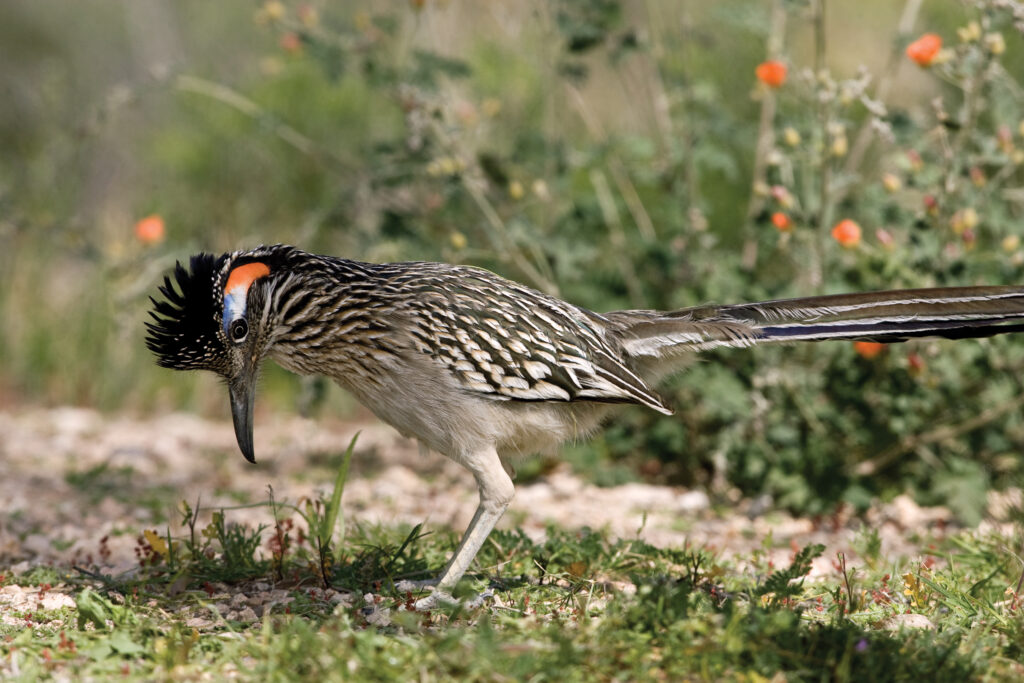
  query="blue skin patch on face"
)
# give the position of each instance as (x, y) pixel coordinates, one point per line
(234, 306)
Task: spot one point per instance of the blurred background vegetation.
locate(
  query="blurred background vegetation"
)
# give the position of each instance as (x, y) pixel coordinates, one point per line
(618, 154)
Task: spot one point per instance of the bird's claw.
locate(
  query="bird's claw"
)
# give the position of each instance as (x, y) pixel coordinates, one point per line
(440, 598)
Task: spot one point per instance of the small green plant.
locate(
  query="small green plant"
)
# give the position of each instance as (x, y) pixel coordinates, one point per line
(325, 521)
(788, 582)
(225, 551)
(97, 610)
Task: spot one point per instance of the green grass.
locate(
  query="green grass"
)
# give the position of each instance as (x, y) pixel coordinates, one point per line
(576, 606)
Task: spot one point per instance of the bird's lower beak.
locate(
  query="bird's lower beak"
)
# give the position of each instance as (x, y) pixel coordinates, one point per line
(243, 397)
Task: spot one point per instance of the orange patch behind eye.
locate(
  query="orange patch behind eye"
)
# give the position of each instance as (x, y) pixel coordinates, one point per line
(243, 276)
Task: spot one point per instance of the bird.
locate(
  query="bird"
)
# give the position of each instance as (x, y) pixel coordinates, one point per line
(485, 370)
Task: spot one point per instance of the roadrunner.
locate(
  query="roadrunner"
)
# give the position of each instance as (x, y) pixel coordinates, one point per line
(485, 370)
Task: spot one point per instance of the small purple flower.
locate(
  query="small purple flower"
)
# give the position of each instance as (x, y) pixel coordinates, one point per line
(862, 645)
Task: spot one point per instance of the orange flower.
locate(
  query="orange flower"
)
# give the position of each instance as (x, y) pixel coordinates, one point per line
(150, 230)
(847, 233)
(771, 73)
(869, 350)
(291, 42)
(782, 222)
(924, 49)
(915, 364)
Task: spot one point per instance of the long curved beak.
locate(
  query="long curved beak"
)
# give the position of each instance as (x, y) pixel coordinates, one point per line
(243, 397)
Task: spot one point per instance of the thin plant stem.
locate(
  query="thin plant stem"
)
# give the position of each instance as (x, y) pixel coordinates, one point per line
(642, 220)
(943, 432)
(765, 140)
(239, 102)
(814, 274)
(505, 247)
(862, 142)
(956, 151)
(617, 236)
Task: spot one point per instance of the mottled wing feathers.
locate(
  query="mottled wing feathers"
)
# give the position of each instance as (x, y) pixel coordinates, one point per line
(508, 341)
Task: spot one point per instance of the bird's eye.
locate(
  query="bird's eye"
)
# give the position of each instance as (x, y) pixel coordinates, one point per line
(238, 329)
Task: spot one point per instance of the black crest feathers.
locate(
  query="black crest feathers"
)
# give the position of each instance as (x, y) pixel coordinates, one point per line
(184, 332)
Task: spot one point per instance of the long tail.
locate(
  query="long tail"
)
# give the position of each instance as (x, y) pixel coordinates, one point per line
(891, 316)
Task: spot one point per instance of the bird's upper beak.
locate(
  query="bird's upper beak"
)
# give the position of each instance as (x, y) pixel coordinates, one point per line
(243, 397)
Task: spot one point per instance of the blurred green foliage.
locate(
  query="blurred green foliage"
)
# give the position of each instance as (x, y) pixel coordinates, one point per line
(617, 155)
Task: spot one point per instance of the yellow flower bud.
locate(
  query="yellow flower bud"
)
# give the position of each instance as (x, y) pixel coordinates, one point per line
(943, 56)
(458, 240)
(1010, 243)
(840, 146)
(891, 182)
(792, 137)
(995, 43)
(515, 190)
(445, 166)
(964, 220)
(540, 189)
(970, 217)
(274, 10)
(969, 33)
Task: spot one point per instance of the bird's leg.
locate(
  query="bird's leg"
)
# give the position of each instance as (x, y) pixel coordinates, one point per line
(496, 492)
(435, 582)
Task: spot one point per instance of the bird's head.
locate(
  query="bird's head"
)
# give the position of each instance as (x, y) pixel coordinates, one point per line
(219, 318)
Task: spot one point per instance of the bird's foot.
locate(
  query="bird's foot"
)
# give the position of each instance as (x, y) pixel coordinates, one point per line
(440, 598)
(436, 599)
(406, 585)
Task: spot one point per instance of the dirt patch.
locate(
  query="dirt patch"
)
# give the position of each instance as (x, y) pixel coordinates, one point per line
(78, 487)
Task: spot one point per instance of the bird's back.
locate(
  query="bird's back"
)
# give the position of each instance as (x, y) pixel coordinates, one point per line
(455, 355)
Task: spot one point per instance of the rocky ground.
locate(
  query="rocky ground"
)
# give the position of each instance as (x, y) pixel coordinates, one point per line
(79, 487)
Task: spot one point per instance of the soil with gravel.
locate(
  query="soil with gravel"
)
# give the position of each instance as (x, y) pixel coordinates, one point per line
(78, 487)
